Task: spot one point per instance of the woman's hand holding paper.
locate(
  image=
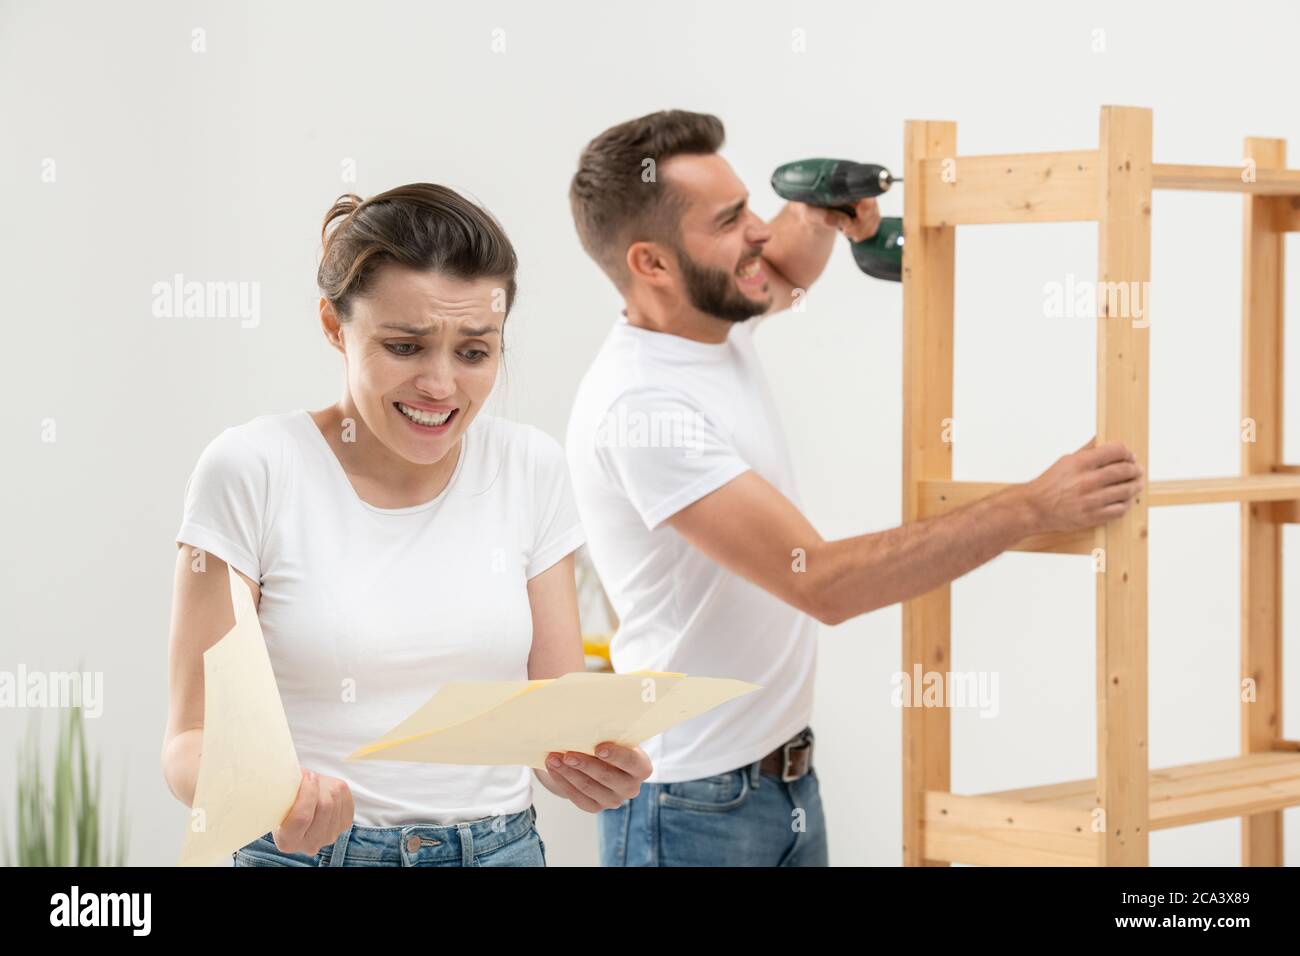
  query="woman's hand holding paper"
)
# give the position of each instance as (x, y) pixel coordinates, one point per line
(321, 812)
(600, 782)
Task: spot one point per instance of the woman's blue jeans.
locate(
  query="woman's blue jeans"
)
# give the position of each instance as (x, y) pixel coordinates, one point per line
(507, 840)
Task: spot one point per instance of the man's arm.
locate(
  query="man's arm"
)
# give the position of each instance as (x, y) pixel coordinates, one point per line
(752, 529)
(802, 240)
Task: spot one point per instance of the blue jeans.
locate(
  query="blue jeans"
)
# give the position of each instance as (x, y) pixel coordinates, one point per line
(739, 818)
(509, 840)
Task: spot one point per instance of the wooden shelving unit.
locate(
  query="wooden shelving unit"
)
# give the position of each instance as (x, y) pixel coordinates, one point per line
(1103, 821)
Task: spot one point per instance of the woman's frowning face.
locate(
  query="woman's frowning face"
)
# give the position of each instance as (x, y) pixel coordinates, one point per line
(422, 351)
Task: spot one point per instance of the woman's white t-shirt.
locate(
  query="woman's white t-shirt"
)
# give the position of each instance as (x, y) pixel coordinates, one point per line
(366, 611)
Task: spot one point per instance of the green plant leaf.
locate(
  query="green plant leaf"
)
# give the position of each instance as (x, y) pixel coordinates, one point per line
(62, 828)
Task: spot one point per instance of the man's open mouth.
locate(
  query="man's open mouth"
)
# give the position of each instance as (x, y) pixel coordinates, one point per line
(751, 271)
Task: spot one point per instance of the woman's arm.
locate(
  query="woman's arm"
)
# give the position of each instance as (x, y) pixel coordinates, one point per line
(589, 782)
(557, 633)
(201, 616)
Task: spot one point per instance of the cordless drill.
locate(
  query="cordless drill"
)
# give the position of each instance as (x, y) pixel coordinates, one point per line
(839, 184)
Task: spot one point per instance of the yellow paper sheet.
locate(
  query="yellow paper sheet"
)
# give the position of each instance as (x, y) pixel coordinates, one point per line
(248, 773)
(519, 723)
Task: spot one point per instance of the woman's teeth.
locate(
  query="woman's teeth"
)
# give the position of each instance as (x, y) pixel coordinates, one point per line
(422, 417)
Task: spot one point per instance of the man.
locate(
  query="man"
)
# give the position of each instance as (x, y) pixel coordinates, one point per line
(686, 491)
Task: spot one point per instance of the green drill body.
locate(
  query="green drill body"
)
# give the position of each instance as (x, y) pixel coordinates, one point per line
(839, 184)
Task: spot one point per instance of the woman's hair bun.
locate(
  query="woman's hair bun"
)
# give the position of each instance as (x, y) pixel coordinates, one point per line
(419, 225)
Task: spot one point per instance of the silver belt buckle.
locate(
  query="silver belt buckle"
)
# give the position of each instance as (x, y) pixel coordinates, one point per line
(807, 745)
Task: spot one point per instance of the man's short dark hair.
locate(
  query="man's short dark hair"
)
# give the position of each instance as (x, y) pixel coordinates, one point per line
(619, 198)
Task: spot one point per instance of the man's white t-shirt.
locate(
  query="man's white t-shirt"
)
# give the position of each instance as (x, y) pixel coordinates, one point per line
(659, 422)
(366, 611)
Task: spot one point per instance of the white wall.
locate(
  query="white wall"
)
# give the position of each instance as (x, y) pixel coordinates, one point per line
(219, 165)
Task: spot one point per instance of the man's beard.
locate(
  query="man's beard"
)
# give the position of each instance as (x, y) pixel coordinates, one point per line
(714, 293)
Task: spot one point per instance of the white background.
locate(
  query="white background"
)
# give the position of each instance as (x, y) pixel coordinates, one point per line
(219, 165)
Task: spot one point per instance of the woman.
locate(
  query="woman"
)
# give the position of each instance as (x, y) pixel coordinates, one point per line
(393, 542)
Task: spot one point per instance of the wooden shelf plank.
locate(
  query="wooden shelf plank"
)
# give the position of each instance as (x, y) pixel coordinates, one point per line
(938, 497)
(984, 831)
(1054, 825)
(1014, 187)
(1199, 491)
(1188, 793)
(1267, 182)
(1062, 186)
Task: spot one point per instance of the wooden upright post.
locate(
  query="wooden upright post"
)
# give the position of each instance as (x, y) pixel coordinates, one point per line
(1124, 262)
(1261, 450)
(928, 265)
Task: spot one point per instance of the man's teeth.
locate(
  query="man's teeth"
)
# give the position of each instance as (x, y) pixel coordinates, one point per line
(750, 269)
(422, 417)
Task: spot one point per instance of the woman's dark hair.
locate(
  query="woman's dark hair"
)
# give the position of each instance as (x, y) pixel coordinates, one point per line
(420, 225)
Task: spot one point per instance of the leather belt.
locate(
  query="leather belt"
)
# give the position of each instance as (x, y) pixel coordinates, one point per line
(793, 759)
